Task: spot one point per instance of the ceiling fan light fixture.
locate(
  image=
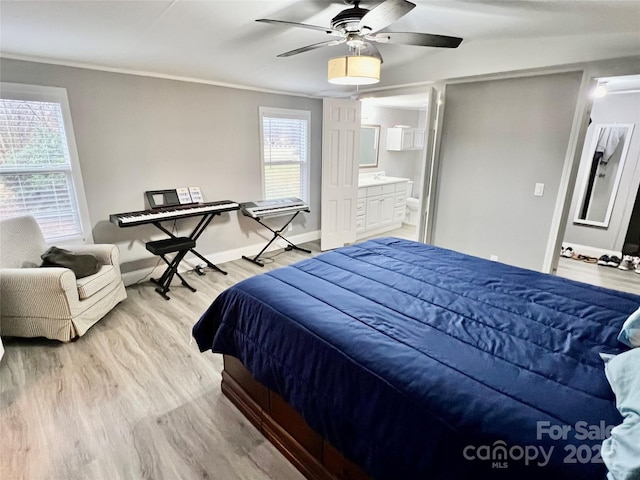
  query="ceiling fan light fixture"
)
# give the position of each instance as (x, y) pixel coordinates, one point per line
(354, 70)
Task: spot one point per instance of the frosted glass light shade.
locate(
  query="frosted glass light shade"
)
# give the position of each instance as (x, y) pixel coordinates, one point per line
(354, 70)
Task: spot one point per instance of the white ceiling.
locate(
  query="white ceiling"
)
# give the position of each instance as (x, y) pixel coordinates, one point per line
(219, 41)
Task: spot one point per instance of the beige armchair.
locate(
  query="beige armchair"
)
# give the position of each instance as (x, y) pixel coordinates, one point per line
(51, 302)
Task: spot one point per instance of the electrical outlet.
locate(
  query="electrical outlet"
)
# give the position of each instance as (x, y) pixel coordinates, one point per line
(494, 258)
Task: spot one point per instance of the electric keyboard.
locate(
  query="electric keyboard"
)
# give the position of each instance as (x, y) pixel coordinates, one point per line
(273, 208)
(261, 209)
(131, 219)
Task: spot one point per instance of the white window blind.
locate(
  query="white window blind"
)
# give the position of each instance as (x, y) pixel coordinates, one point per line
(36, 176)
(285, 152)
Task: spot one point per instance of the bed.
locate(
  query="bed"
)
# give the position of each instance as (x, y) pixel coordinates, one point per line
(411, 361)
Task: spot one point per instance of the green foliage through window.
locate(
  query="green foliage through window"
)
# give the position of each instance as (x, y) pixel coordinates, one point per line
(35, 167)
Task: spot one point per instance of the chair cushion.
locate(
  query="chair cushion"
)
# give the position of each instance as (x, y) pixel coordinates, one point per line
(87, 286)
(82, 265)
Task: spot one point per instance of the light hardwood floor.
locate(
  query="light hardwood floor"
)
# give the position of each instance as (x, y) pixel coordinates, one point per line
(135, 399)
(407, 232)
(609, 277)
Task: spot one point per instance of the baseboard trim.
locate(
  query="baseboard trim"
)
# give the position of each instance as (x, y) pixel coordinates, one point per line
(191, 261)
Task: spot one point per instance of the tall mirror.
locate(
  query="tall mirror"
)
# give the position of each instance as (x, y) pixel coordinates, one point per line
(369, 142)
(604, 161)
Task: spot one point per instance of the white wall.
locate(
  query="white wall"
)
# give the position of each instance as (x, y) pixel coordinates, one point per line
(618, 108)
(500, 138)
(139, 133)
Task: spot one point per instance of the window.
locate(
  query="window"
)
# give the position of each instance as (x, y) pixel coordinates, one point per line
(39, 169)
(285, 153)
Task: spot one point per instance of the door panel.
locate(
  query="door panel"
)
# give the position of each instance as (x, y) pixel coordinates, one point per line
(340, 147)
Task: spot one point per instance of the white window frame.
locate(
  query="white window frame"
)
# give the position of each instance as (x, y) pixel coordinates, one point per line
(38, 93)
(287, 113)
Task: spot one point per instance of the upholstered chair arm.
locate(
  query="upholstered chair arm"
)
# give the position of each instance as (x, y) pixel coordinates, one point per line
(108, 254)
(45, 279)
(24, 291)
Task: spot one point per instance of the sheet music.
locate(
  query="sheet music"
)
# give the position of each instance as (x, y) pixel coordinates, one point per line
(184, 196)
(196, 194)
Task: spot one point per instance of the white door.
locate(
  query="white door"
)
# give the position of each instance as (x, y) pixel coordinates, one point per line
(340, 150)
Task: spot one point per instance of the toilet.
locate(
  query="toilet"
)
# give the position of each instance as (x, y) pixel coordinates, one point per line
(413, 206)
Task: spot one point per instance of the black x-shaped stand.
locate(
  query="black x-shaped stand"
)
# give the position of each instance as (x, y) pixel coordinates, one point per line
(276, 234)
(181, 246)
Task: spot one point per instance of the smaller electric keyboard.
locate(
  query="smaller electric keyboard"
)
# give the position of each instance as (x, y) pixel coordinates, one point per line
(273, 208)
(131, 219)
(261, 209)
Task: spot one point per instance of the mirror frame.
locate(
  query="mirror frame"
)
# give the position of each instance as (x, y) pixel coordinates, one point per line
(376, 145)
(587, 162)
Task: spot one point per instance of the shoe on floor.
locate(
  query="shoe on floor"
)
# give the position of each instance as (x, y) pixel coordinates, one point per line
(603, 260)
(567, 252)
(626, 263)
(613, 261)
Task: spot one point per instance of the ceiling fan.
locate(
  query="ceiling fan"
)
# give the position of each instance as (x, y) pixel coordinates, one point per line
(358, 27)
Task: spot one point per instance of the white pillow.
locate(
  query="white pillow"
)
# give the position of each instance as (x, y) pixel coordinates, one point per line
(630, 333)
(607, 356)
(621, 451)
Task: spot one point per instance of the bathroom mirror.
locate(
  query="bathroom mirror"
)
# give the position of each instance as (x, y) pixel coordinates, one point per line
(602, 167)
(369, 141)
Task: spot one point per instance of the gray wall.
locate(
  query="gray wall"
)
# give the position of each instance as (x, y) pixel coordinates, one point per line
(500, 138)
(137, 133)
(618, 108)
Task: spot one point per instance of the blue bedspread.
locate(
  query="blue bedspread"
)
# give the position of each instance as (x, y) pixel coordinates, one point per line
(423, 363)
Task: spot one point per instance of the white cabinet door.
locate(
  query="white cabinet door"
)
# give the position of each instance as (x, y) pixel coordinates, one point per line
(340, 152)
(418, 138)
(387, 207)
(399, 214)
(399, 138)
(394, 139)
(372, 216)
(407, 138)
(403, 138)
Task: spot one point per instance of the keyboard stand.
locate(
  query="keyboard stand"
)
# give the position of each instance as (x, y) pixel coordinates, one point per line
(276, 234)
(197, 231)
(172, 266)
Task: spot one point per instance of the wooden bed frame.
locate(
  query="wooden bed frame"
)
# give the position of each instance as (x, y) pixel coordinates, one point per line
(284, 427)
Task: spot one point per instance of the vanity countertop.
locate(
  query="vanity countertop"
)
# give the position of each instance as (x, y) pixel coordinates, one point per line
(382, 180)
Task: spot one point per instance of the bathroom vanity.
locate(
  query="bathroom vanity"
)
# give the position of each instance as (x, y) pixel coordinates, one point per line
(381, 203)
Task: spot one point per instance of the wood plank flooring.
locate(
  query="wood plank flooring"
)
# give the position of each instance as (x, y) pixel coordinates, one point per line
(609, 277)
(135, 399)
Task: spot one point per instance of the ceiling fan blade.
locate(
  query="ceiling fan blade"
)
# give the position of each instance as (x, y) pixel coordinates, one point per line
(384, 14)
(330, 43)
(420, 39)
(328, 30)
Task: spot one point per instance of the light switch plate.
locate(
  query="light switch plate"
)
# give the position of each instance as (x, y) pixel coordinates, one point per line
(539, 190)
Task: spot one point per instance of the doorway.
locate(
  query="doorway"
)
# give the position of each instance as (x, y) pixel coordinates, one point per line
(601, 241)
(402, 123)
